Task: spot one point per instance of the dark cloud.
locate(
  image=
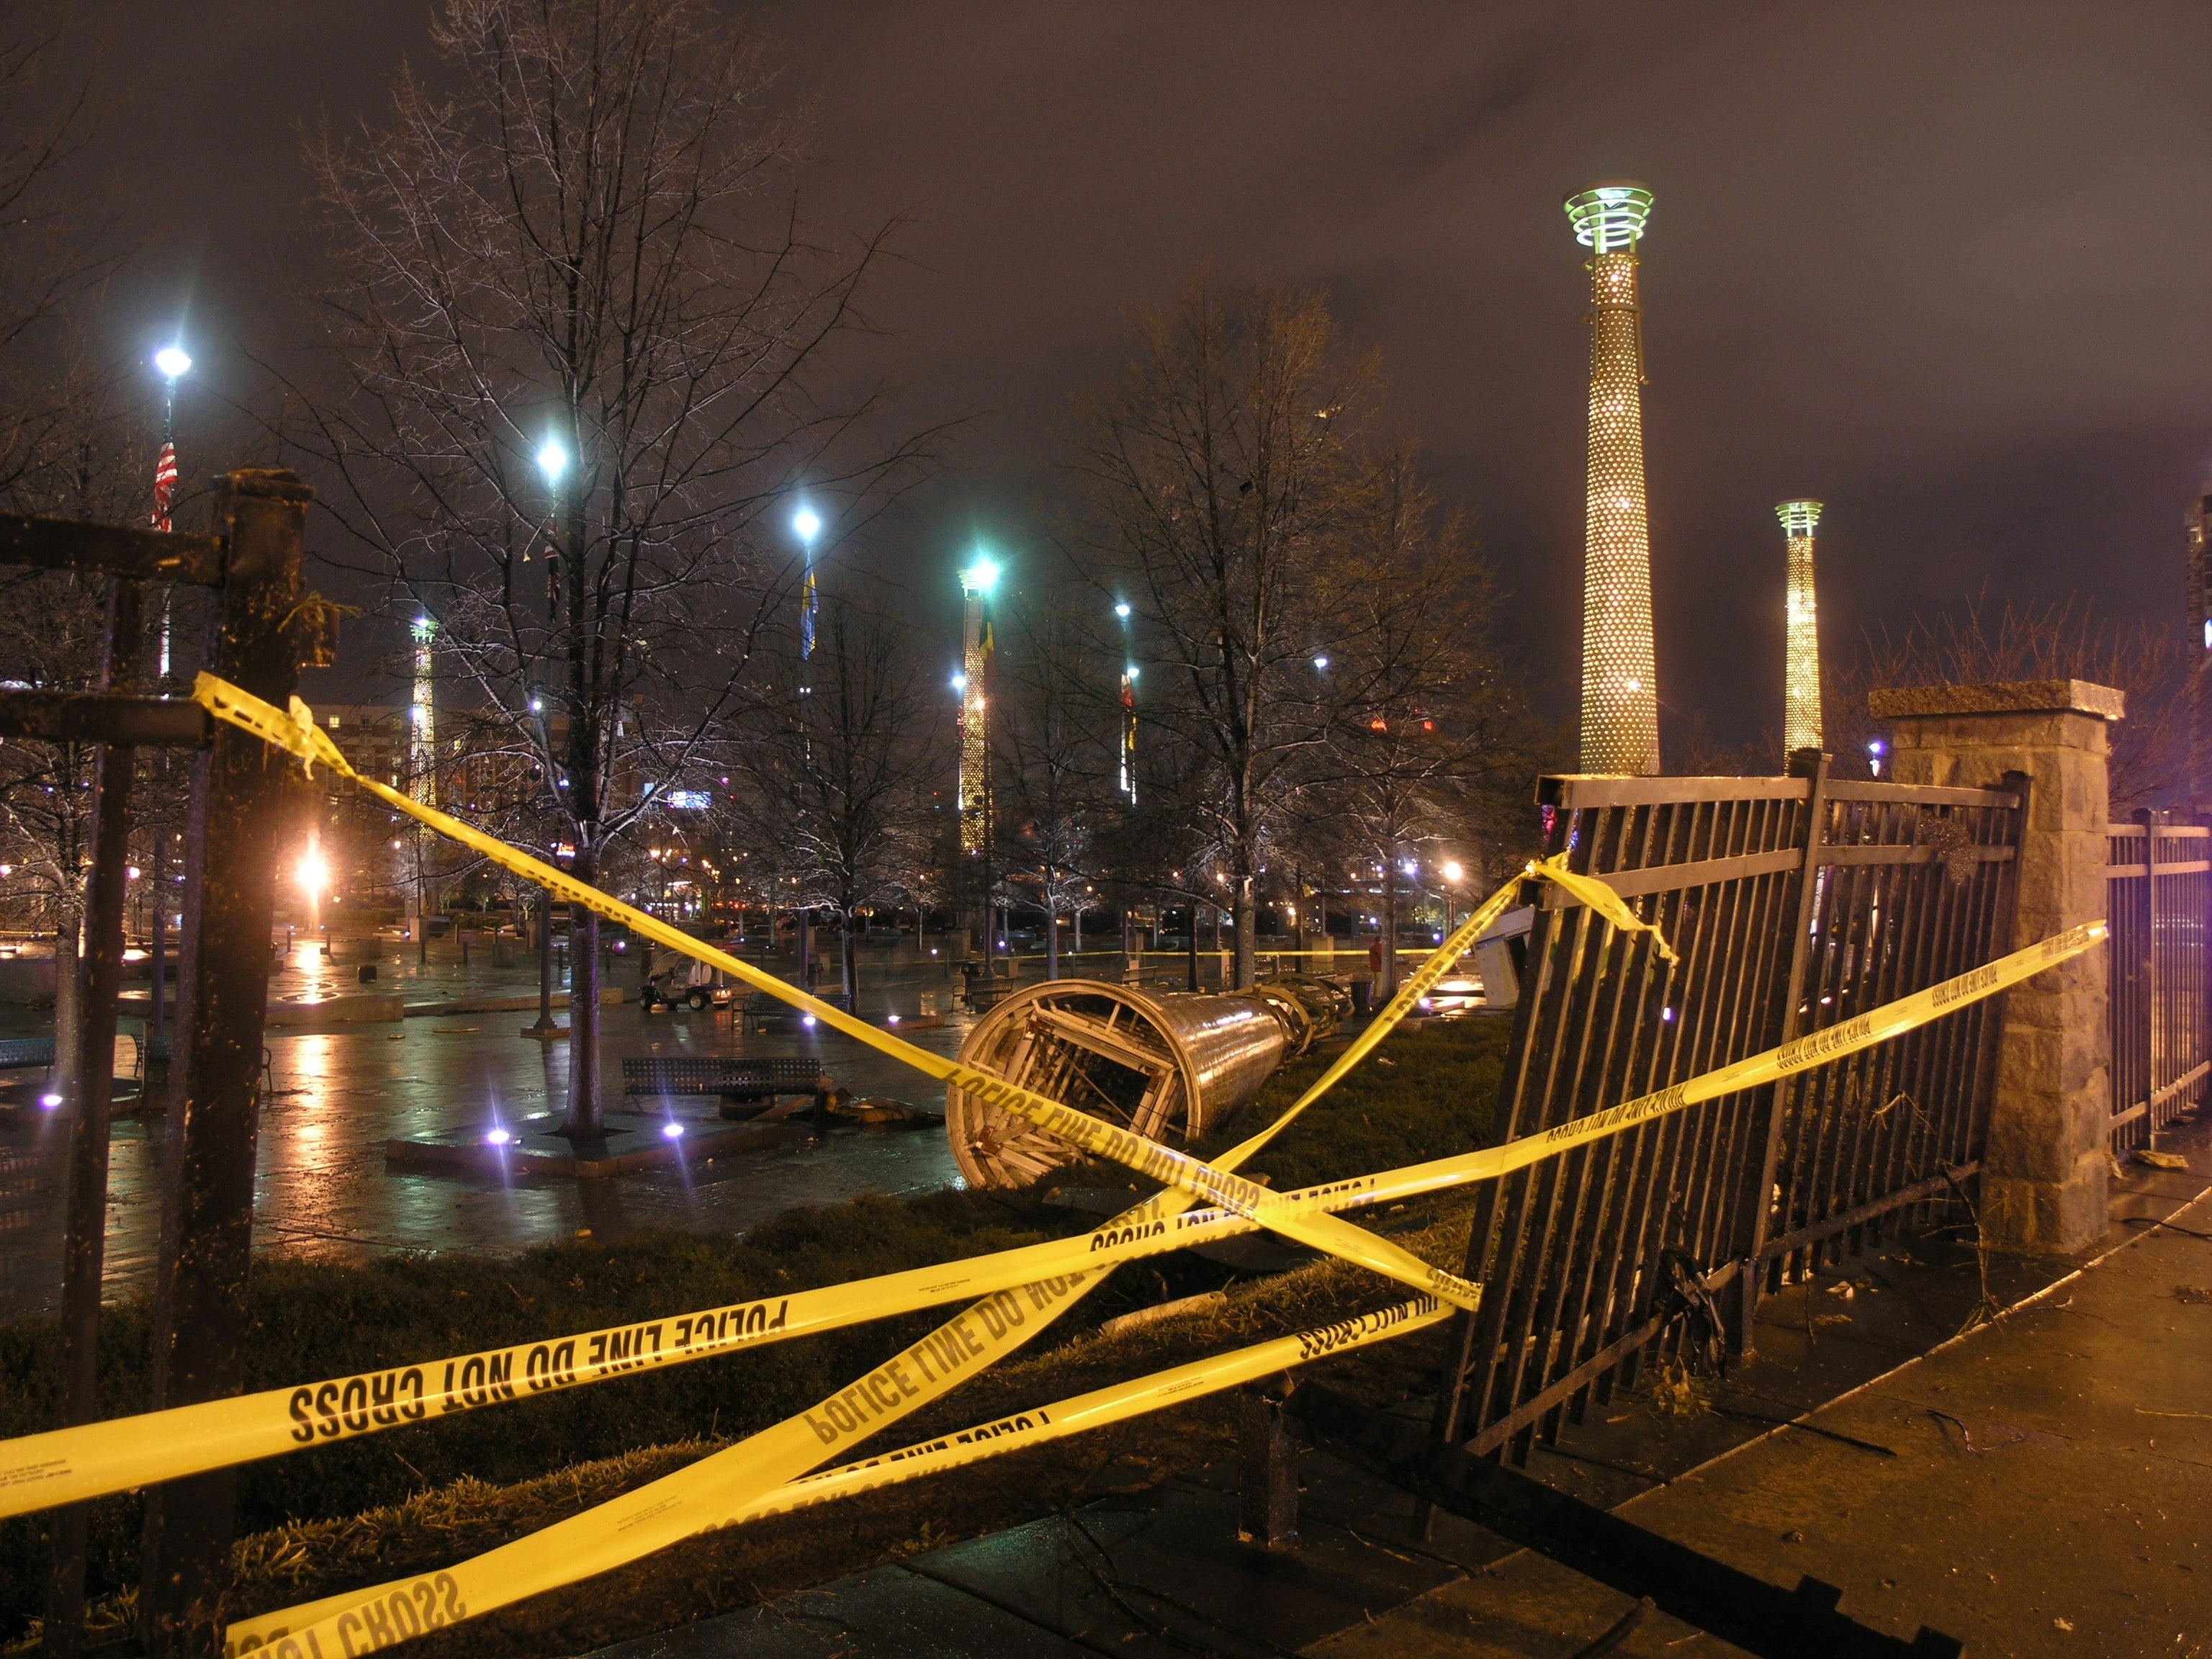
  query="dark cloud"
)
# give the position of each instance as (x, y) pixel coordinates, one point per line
(1943, 266)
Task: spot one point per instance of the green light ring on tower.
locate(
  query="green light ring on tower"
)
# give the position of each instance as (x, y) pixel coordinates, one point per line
(1799, 518)
(1609, 218)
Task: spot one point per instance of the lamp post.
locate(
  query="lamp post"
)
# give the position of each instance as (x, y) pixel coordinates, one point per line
(173, 365)
(808, 524)
(977, 583)
(1129, 706)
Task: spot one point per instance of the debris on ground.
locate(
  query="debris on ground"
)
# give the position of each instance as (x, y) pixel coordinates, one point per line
(2161, 1160)
(2192, 1293)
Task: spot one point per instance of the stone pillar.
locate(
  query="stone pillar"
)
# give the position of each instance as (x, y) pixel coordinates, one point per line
(2043, 1188)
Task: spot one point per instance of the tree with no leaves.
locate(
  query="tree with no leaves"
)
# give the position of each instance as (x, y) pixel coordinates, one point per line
(586, 341)
(1238, 483)
(834, 794)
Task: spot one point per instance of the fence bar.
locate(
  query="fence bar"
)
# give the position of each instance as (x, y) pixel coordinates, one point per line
(153, 555)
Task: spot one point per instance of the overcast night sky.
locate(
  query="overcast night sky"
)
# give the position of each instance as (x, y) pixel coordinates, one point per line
(1944, 267)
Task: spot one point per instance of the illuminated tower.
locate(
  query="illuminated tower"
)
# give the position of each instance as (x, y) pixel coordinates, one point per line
(1621, 702)
(2200, 634)
(422, 720)
(1800, 691)
(976, 582)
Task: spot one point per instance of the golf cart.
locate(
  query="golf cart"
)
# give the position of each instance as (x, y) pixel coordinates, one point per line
(680, 980)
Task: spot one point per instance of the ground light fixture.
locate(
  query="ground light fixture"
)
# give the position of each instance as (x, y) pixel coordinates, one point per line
(498, 1137)
(673, 1130)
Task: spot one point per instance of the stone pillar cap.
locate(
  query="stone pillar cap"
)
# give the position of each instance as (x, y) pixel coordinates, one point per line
(2006, 698)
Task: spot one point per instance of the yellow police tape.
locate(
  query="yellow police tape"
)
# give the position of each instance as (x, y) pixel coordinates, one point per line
(66, 1466)
(748, 1473)
(361, 1622)
(722, 1487)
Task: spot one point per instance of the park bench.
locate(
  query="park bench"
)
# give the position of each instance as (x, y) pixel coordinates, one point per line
(735, 1077)
(16, 1053)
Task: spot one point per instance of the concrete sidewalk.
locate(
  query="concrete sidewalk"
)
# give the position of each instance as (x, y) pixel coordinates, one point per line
(2046, 1494)
(2033, 1488)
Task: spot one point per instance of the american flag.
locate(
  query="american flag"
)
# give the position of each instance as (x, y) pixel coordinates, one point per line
(165, 484)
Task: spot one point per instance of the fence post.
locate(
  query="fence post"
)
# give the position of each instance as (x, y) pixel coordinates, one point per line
(2148, 1034)
(240, 787)
(2045, 1172)
(1812, 765)
(1267, 1467)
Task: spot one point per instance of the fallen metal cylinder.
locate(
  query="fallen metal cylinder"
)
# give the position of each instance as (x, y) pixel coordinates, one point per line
(1166, 1066)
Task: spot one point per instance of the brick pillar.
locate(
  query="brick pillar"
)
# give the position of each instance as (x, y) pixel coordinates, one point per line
(2043, 1188)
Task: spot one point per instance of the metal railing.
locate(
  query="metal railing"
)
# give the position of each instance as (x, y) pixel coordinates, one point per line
(1794, 904)
(2159, 877)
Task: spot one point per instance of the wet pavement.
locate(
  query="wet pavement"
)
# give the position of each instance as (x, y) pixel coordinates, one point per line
(323, 1187)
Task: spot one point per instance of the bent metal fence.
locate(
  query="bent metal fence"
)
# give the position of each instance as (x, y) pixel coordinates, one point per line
(1794, 904)
(2159, 877)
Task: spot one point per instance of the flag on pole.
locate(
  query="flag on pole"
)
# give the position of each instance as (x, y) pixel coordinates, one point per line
(165, 484)
(806, 615)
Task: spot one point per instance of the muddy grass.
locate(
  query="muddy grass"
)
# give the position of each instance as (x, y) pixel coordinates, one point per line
(389, 1504)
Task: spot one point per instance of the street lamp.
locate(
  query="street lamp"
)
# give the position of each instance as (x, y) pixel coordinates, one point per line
(808, 523)
(552, 460)
(173, 366)
(1453, 874)
(1129, 706)
(313, 875)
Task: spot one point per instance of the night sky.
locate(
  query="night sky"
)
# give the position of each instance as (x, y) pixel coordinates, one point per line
(1943, 266)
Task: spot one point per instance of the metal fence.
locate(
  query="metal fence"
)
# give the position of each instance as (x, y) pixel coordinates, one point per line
(2159, 877)
(1793, 902)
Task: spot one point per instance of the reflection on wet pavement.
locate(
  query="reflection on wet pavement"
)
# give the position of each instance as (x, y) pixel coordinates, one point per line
(322, 1188)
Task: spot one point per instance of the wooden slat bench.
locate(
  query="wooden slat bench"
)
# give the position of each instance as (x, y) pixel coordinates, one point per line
(736, 1077)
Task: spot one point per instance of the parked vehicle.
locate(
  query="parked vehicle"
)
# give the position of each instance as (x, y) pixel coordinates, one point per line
(678, 979)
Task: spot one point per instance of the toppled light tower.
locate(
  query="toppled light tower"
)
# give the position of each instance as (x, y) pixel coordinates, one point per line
(1168, 1066)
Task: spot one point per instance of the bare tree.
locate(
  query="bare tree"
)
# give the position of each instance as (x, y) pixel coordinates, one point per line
(834, 794)
(586, 342)
(1052, 768)
(1238, 481)
(1977, 643)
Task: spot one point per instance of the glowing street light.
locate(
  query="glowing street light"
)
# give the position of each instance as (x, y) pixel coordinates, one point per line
(1122, 609)
(808, 524)
(313, 875)
(552, 459)
(1453, 872)
(173, 363)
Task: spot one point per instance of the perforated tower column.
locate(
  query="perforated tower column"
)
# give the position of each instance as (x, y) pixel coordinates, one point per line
(1801, 688)
(1620, 700)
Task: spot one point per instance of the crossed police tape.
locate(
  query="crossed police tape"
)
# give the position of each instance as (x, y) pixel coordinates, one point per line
(65, 1466)
(720, 1488)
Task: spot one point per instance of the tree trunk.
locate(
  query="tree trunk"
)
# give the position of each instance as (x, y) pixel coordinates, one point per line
(1386, 982)
(1051, 930)
(850, 964)
(63, 1079)
(585, 1120)
(1248, 920)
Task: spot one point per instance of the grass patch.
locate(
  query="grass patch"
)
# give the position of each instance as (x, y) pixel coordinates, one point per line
(363, 1510)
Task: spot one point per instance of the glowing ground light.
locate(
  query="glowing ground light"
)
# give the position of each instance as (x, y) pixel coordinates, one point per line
(50, 1101)
(497, 1138)
(1620, 701)
(1801, 689)
(891, 1019)
(807, 1020)
(673, 1131)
